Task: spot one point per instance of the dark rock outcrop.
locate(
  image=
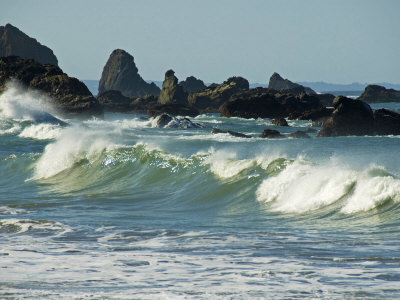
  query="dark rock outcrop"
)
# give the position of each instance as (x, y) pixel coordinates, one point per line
(171, 91)
(280, 122)
(377, 94)
(68, 94)
(386, 122)
(286, 86)
(192, 85)
(13, 42)
(211, 98)
(325, 99)
(114, 101)
(271, 134)
(350, 117)
(317, 115)
(264, 103)
(121, 74)
(299, 135)
(174, 109)
(233, 133)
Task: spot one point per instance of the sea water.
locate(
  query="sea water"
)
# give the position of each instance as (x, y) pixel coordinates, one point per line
(115, 208)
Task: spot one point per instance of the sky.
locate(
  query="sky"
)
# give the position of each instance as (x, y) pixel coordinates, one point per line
(337, 41)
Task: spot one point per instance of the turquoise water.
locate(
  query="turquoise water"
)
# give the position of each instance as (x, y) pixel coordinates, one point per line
(116, 208)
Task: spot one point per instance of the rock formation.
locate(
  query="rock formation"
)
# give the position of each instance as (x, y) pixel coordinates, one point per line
(350, 117)
(13, 42)
(271, 134)
(264, 103)
(211, 98)
(280, 122)
(121, 74)
(386, 122)
(171, 91)
(67, 94)
(232, 133)
(286, 86)
(192, 85)
(174, 109)
(114, 101)
(377, 93)
(299, 135)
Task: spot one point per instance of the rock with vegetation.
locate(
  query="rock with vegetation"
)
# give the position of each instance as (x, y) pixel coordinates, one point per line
(171, 91)
(13, 42)
(350, 117)
(266, 103)
(192, 85)
(211, 98)
(377, 94)
(68, 94)
(121, 74)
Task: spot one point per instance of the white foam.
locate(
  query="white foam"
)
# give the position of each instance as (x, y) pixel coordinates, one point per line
(41, 132)
(24, 225)
(372, 191)
(75, 144)
(225, 164)
(302, 186)
(18, 103)
(14, 129)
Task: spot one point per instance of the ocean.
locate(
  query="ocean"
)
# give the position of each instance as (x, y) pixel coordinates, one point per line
(116, 208)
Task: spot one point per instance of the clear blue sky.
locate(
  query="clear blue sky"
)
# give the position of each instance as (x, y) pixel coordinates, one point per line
(339, 41)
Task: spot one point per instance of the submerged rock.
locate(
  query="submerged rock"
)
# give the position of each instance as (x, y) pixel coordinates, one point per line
(13, 42)
(377, 93)
(350, 117)
(168, 121)
(68, 94)
(233, 133)
(299, 135)
(192, 85)
(271, 134)
(171, 91)
(121, 74)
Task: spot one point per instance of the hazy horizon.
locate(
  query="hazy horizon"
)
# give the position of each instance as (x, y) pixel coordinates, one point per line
(338, 42)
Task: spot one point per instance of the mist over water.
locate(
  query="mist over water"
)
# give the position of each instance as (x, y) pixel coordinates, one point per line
(118, 208)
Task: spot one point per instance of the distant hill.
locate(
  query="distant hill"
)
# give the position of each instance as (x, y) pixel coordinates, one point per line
(321, 86)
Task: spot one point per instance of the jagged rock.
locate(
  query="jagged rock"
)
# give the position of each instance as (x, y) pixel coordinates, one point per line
(286, 86)
(271, 134)
(173, 109)
(233, 133)
(167, 121)
(114, 101)
(377, 93)
(263, 103)
(386, 122)
(211, 98)
(350, 117)
(121, 74)
(280, 122)
(171, 91)
(13, 42)
(67, 94)
(192, 85)
(299, 135)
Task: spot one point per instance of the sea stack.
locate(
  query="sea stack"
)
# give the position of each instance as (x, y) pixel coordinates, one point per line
(192, 84)
(276, 82)
(13, 42)
(171, 91)
(121, 74)
(377, 94)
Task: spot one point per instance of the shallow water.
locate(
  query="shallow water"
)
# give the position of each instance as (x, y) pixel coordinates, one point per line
(114, 208)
